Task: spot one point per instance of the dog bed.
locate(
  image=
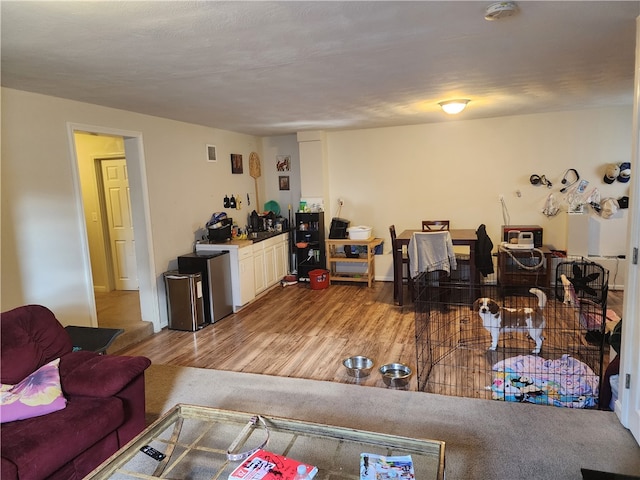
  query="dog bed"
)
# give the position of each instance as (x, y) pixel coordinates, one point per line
(564, 382)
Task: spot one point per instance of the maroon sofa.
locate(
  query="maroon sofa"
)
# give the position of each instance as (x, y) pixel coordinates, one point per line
(105, 400)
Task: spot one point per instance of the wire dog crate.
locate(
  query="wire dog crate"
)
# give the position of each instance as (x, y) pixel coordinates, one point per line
(454, 354)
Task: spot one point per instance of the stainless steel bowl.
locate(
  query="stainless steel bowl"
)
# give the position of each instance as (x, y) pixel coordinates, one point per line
(358, 366)
(395, 374)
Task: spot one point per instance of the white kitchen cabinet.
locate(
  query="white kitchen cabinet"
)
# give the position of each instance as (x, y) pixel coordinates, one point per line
(255, 267)
(247, 276)
(270, 261)
(260, 281)
(282, 257)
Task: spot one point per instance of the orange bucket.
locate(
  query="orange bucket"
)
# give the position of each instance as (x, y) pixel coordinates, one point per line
(319, 279)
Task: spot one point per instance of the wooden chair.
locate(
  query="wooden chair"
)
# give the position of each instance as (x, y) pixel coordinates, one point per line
(398, 283)
(439, 225)
(435, 225)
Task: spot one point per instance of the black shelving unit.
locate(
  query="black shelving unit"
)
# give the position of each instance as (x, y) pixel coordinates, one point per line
(309, 229)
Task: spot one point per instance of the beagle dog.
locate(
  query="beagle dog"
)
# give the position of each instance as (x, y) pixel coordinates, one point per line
(498, 319)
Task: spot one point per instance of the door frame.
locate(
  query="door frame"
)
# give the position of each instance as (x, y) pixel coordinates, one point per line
(145, 262)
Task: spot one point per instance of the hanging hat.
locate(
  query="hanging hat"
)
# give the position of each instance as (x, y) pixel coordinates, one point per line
(625, 172)
(623, 202)
(609, 207)
(611, 173)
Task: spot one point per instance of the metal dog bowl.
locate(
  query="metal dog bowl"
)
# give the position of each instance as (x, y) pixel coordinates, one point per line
(358, 366)
(395, 374)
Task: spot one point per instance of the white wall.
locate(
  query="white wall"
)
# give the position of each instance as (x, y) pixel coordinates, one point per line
(42, 255)
(271, 148)
(456, 170)
(394, 175)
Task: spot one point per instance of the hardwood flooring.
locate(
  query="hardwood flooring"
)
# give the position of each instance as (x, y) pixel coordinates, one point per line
(121, 309)
(298, 332)
(118, 307)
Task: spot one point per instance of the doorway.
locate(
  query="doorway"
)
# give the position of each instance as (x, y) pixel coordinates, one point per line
(109, 227)
(93, 146)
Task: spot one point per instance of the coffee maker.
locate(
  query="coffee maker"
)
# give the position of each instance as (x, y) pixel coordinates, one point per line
(339, 228)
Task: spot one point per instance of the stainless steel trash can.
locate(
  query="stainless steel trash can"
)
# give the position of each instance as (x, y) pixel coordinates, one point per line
(184, 300)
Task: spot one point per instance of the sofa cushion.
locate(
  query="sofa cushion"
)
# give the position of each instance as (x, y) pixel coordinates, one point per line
(90, 374)
(38, 394)
(37, 448)
(31, 337)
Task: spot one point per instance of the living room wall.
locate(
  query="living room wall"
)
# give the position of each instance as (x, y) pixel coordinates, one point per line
(399, 175)
(456, 170)
(43, 253)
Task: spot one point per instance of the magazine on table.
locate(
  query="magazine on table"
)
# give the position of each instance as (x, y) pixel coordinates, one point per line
(271, 466)
(379, 467)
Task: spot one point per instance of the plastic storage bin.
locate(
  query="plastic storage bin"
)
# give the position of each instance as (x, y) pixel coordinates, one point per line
(319, 279)
(360, 232)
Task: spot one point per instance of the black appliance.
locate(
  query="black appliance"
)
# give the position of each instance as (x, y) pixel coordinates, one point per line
(260, 223)
(338, 228)
(221, 231)
(215, 268)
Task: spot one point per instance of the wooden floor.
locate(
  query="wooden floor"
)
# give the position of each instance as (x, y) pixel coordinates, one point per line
(121, 309)
(298, 332)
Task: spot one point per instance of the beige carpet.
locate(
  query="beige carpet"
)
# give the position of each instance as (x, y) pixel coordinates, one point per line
(485, 439)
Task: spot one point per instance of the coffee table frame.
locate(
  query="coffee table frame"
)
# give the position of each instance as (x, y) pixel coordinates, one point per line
(316, 436)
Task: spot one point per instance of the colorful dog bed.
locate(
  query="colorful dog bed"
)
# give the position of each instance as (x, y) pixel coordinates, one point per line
(564, 382)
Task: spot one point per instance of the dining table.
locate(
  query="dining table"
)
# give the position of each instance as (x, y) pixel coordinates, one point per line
(459, 236)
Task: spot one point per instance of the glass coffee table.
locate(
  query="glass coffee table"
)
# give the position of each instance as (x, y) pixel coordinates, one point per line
(208, 443)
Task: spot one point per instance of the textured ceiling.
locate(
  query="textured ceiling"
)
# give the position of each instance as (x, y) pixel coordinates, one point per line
(269, 68)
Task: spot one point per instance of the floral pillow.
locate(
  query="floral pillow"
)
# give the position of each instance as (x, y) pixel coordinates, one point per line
(36, 395)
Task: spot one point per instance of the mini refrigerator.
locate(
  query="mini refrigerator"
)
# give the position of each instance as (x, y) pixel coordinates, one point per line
(184, 300)
(215, 268)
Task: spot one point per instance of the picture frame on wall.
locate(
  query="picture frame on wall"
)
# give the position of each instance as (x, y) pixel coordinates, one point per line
(212, 155)
(283, 182)
(283, 163)
(236, 163)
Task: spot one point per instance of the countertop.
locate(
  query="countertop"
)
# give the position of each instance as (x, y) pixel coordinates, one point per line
(260, 236)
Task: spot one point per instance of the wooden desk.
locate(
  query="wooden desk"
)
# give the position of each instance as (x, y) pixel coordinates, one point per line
(333, 257)
(459, 236)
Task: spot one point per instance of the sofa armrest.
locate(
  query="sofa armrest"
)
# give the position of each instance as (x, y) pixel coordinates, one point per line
(89, 374)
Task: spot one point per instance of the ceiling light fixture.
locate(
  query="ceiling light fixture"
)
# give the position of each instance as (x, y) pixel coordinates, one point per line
(454, 106)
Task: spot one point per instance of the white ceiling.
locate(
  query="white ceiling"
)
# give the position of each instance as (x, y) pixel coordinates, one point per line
(269, 68)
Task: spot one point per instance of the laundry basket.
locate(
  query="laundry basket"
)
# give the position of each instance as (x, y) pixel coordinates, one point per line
(319, 279)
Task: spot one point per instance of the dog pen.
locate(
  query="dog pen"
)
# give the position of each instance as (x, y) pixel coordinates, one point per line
(453, 345)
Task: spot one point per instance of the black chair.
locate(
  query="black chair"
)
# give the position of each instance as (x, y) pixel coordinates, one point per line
(405, 279)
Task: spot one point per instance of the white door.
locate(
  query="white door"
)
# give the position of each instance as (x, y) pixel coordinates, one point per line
(120, 223)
